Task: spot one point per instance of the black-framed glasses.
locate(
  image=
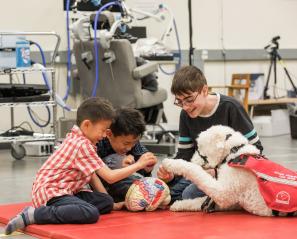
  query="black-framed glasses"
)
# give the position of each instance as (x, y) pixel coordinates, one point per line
(188, 101)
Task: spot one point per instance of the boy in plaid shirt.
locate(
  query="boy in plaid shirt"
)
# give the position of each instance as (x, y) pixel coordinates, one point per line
(59, 195)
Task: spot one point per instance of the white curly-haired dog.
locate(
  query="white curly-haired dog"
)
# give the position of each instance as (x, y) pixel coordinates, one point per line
(233, 187)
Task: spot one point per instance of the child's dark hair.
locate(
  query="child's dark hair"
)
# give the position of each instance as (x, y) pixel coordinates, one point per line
(187, 79)
(94, 109)
(128, 121)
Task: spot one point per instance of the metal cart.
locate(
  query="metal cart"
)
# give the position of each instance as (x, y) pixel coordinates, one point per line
(18, 150)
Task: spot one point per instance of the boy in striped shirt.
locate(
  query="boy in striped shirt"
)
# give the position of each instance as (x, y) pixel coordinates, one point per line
(59, 194)
(201, 110)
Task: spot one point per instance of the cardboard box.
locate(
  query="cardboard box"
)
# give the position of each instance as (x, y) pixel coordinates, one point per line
(272, 125)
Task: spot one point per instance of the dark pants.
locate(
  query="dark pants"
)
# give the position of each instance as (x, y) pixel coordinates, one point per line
(83, 207)
(181, 188)
(177, 186)
(192, 191)
(119, 189)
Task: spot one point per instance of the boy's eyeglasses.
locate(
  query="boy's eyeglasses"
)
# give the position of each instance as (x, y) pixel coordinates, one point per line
(188, 101)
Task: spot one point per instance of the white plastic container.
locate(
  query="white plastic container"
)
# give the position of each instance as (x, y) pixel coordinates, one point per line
(272, 125)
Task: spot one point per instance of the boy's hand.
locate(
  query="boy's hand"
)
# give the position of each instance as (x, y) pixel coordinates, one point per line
(128, 161)
(147, 160)
(164, 175)
(149, 168)
(118, 206)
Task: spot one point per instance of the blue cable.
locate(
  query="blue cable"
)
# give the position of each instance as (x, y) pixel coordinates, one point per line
(43, 63)
(95, 85)
(95, 3)
(48, 86)
(36, 122)
(179, 52)
(68, 53)
(58, 98)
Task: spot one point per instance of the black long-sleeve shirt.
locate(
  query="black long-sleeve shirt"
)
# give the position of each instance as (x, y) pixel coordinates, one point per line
(104, 149)
(228, 112)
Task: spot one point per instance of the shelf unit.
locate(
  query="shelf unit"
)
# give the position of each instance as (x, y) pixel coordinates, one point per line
(18, 150)
(25, 138)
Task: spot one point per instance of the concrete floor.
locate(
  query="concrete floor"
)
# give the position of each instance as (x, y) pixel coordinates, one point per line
(17, 175)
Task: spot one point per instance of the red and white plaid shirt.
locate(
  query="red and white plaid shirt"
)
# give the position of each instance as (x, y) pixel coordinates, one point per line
(67, 170)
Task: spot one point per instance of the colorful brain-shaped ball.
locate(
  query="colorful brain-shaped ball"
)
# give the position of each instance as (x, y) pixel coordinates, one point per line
(147, 194)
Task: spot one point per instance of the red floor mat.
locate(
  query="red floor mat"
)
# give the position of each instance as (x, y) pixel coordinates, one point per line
(165, 225)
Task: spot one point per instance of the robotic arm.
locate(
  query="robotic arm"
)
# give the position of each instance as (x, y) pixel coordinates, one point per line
(81, 28)
(158, 16)
(129, 12)
(105, 36)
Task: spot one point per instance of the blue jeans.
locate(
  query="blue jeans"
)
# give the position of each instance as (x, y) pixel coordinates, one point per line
(192, 191)
(181, 188)
(177, 186)
(83, 207)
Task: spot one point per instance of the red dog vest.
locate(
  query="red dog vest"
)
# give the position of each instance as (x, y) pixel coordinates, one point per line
(277, 185)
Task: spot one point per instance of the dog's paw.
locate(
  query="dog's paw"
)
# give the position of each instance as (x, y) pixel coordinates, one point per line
(177, 206)
(187, 205)
(174, 165)
(168, 164)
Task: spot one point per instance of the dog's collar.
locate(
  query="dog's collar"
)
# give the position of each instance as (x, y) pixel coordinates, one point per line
(209, 205)
(233, 150)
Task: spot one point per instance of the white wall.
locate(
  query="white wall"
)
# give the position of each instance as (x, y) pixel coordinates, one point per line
(217, 24)
(233, 24)
(34, 15)
(244, 24)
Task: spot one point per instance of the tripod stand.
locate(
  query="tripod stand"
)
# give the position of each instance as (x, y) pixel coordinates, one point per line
(274, 58)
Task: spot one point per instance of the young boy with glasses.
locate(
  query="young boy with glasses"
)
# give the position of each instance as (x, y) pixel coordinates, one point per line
(201, 110)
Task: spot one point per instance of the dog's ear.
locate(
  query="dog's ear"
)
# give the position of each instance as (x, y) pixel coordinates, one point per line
(196, 159)
(236, 139)
(219, 141)
(228, 136)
